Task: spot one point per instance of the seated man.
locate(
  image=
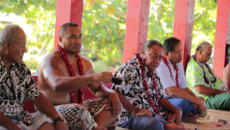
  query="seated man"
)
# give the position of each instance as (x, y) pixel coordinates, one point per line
(17, 85)
(62, 76)
(171, 73)
(204, 82)
(226, 72)
(142, 94)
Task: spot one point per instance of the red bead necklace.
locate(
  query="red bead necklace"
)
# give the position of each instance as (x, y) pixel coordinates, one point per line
(156, 109)
(167, 64)
(73, 94)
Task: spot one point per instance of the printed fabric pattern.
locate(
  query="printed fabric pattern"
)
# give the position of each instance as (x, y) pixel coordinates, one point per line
(194, 76)
(16, 86)
(133, 90)
(81, 117)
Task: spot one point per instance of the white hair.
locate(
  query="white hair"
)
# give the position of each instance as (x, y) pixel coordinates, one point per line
(204, 45)
(9, 34)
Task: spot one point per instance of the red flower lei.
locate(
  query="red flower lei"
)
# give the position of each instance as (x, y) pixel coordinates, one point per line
(73, 94)
(167, 64)
(157, 110)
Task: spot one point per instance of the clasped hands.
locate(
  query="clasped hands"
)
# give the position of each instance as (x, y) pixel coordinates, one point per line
(145, 112)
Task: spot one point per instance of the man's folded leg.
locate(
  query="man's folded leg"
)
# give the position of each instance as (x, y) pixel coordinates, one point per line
(145, 123)
(219, 101)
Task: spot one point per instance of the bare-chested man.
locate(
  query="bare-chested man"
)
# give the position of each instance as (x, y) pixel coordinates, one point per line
(61, 73)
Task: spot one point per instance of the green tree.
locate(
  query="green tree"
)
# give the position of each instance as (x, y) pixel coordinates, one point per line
(103, 27)
(161, 15)
(204, 25)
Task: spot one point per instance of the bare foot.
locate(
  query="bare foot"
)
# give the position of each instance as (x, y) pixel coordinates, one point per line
(99, 128)
(191, 118)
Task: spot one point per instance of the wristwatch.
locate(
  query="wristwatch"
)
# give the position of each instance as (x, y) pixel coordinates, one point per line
(60, 118)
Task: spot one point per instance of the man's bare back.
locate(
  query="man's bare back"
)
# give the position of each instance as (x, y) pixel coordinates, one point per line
(55, 60)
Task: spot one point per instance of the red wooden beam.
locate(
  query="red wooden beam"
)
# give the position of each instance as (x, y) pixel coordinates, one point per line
(183, 26)
(67, 11)
(221, 36)
(136, 27)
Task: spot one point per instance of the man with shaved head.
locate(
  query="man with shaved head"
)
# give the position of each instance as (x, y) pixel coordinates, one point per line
(203, 81)
(62, 76)
(17, 85)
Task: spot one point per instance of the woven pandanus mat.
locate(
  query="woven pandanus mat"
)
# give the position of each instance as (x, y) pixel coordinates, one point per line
(215, 114)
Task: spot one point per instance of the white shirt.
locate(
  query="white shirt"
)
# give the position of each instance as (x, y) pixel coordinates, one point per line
(165, 76)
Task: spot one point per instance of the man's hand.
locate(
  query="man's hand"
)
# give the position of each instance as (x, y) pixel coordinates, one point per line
(61, 125)
(202, 109)
(103, 76)
(176, 116)
(115, 103)
(142, 112)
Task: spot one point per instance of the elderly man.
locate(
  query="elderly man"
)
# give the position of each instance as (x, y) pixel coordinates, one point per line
(142, 94)
(62, 76)
(171, 73)
(17, 85)
(204, 82)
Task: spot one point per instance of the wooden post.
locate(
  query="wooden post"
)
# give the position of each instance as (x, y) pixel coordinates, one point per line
(67, 11)
(222, 36)
(136, 27)
(183, 26)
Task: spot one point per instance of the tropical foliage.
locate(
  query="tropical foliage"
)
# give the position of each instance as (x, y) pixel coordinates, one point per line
(103, 26)
(161, 15)
(161, 21)
(38, 23)
(204, 24)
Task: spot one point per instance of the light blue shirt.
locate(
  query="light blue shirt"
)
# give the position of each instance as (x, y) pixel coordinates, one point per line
(165, 76)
